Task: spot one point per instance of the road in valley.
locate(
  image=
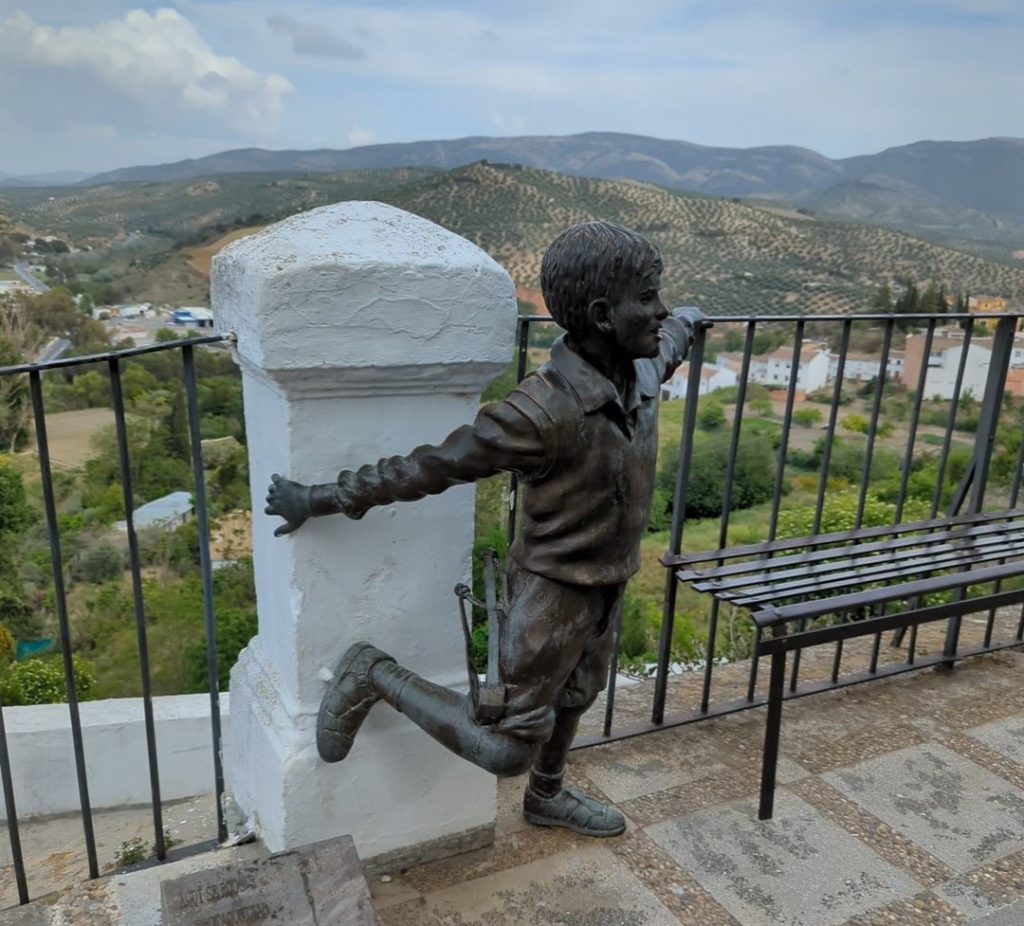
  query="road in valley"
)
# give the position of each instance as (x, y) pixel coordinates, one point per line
(37, 285)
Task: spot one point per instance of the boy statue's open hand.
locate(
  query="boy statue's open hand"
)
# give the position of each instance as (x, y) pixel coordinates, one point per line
(289, 500)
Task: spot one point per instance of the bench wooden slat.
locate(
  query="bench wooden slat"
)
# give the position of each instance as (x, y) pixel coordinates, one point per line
(883, 556)
(922, 566)
(863, 533)
(806, 610)
(812, 557)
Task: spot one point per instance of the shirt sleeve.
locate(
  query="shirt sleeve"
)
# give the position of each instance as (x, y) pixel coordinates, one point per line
(677, 332)
(501, 440)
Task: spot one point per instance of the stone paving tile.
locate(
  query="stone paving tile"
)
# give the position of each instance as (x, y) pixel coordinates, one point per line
(799, 869)
(958, 811)
(588, 886)
(923, 910)
(669, 883)
(515, 849)
(891, 845)
(690, 797)
(1012, 915)
(988, 887)
(981, 754)
(1006, 737)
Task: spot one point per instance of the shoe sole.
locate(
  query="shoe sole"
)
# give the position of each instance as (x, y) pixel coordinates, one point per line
(537, 820)
(340, 670)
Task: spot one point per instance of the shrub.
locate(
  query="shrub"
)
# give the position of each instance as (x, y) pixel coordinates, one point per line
(7, 646)
(858, 424)
(753, 479)
(807, 417)
(100, 564)
(710, 416)
(41, 681)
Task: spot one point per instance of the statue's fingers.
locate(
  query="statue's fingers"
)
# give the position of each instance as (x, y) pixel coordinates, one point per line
(270, 509)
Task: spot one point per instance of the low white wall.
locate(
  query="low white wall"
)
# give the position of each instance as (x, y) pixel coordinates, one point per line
(114, 740)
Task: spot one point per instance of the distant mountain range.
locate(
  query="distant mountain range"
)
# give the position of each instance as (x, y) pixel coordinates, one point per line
(55, 178)
(951, 190)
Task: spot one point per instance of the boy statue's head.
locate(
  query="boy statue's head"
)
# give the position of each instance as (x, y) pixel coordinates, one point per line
(601, 281)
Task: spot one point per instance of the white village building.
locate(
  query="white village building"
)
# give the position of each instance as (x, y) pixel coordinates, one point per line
(717, 375)
(774, 369)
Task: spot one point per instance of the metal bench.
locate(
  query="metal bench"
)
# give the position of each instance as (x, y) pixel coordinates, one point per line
(867, 581)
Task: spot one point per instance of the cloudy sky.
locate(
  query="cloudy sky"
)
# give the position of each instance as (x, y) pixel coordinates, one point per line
(97, 84)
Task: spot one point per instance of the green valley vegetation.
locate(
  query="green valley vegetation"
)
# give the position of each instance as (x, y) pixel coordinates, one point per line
(89, 499)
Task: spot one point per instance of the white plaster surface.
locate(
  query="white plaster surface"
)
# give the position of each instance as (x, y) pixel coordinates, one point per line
(114, 743)
(362, 331)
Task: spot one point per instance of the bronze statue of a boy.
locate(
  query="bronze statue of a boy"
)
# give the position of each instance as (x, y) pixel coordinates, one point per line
(581, 433)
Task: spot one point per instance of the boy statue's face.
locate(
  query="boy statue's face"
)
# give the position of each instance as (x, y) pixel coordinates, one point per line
(637, 315)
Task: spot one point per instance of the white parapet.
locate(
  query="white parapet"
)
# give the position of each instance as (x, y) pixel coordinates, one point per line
(116, 760)
(362, 332)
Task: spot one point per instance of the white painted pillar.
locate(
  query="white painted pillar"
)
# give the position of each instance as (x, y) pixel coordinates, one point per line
(362, 331)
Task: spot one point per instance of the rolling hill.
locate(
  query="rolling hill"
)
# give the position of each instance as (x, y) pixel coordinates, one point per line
(726, 256)
(956, 191)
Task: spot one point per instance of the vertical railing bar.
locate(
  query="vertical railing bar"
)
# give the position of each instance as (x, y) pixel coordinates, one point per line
(13, 832)
(869, 450)
(826, 462)
(1018, 474)
(1014, 499)
(723, 523)
(981, 458)
(121, 428)
(833, 417)
(668, 614)
(876, 407)
(613, 671)
(876, 647)
(207, 578)
(523, 350)
(752, 682)
(915, 414)
(837, 659)
(951, 422)
(63, 623)
(780, 468)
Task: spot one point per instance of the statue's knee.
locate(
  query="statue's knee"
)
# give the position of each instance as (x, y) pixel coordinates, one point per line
(513, 757)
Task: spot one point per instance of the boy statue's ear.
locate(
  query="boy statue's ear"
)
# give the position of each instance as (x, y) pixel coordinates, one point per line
(599, 314)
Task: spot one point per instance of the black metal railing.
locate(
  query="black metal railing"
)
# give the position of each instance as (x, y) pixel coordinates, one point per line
(114, 362)
(969, 496)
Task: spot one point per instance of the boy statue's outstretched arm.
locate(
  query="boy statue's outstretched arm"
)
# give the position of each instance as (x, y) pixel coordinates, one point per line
(501, 439)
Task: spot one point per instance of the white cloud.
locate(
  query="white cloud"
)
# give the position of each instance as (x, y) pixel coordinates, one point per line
(143, 71)
(358, 136)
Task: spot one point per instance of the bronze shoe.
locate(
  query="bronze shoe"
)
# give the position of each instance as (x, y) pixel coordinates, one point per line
(575, 811)
(347, 701)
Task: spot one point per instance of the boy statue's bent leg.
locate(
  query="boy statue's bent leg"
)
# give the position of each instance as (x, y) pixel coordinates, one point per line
(554, 651)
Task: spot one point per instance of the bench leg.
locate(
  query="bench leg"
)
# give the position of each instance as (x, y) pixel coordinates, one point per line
(771, 735)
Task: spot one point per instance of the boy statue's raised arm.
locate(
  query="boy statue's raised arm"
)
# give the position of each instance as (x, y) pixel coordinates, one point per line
(582, 433)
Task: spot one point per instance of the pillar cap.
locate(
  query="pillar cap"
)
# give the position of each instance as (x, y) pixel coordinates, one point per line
(365, 293)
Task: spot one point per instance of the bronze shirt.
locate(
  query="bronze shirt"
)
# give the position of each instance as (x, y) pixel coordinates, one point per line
(586, 458)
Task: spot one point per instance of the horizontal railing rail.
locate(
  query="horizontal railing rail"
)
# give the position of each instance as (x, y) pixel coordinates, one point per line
(113, 362)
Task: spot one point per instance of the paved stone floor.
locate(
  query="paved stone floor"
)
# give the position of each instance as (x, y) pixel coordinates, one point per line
(900, 802)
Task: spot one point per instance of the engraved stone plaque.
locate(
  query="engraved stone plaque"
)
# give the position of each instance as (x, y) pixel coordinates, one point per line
(317, 885)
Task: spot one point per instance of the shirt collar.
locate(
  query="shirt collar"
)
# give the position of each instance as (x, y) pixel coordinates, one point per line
(594, 389)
